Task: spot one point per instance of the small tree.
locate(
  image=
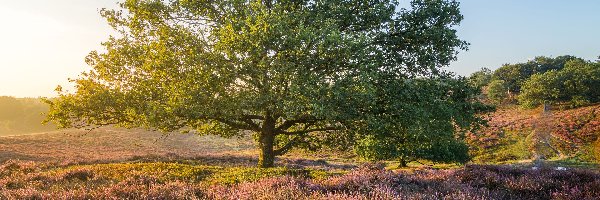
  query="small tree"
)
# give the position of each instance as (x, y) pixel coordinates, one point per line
(481, 78)
(540, 89)
(285, 70)
(497, 91)
(429, 124)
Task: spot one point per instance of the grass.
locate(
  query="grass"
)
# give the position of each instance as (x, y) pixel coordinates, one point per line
(165, 172)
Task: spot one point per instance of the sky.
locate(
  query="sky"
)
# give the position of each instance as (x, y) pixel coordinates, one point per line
(43, 43)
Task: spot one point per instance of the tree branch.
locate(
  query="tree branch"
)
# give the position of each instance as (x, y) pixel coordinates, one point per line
(287, 147)
(308, 131)
(248, 120)
(289, 123)
(253, 117)
(238, 125)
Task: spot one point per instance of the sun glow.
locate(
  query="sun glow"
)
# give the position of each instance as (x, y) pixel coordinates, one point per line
(41, 46)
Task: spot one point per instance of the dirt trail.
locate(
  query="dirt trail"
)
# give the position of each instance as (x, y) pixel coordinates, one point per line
(541, 145)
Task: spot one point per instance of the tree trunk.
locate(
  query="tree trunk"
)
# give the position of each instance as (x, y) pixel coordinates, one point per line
(402, 163)
(266, 158)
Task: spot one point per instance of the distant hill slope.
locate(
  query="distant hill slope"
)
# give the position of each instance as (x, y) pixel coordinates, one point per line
(518, 134)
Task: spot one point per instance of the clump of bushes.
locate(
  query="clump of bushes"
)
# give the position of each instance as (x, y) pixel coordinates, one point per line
(566, 80)
(576, 84)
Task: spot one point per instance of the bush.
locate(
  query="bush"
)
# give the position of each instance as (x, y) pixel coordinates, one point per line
(497, 91)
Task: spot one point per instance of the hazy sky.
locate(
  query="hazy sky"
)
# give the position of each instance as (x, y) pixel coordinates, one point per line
(43, 42)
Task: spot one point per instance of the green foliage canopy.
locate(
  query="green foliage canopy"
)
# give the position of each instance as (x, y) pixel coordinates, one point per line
(577, 83)
(514, 75)
(428, 125)
(481, 78)
(277, 68)
(497, 91)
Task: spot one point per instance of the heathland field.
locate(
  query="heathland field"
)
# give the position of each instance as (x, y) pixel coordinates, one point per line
(113, 145)
(136, 164)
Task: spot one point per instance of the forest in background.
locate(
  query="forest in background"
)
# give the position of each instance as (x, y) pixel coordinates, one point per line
(567, 81)
(22, 116)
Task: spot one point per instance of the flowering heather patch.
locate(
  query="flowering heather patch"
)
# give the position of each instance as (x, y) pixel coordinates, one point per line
(511, 130)
(471, 182)
(578, 127)
(28, 180)
(502, 125)
(120, 164)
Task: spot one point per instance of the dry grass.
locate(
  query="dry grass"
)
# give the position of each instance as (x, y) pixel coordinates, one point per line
(113, 145)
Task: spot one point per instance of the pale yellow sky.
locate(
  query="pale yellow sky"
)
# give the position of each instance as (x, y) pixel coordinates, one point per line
(43, 43)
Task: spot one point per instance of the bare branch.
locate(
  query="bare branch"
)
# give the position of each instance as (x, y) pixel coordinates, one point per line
(248, 120)
(253, 117)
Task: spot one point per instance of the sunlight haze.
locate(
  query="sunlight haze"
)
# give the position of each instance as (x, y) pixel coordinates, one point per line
(43, 43)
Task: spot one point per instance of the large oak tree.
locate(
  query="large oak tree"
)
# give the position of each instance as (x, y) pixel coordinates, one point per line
(281, 69)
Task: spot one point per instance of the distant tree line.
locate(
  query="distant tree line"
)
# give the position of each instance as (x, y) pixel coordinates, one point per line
(566, 80)
(22, 115)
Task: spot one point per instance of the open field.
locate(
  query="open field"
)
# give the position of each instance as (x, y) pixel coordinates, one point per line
(327, 100)
(110, 145)
(136, 164)
(111, 163)
(68, 147)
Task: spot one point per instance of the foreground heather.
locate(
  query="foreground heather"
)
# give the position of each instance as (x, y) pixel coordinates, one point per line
(471, 182)
(29, 180)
